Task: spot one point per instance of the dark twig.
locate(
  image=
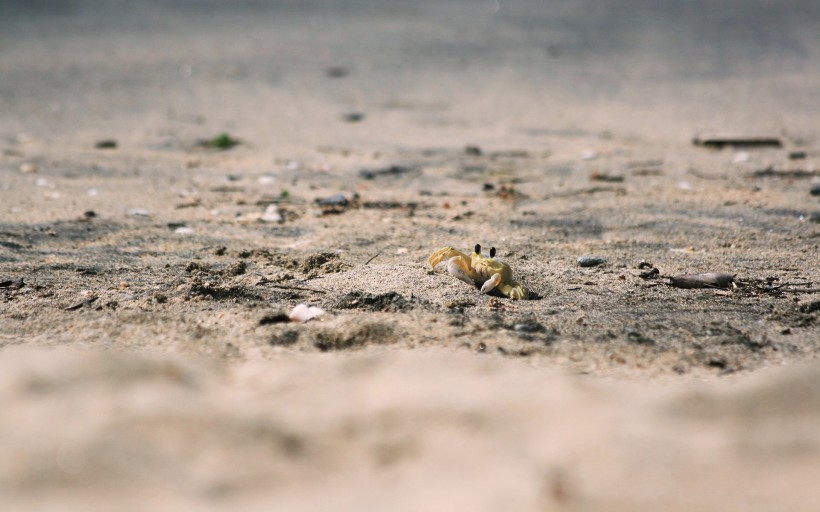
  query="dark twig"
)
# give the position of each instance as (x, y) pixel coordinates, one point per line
(373, 258)
(289, 286)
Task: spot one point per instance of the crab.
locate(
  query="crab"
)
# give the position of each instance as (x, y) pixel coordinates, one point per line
(481, 270)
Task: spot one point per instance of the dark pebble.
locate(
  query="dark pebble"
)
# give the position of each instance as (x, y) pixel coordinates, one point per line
(337, 72)
(353, 117)
(590, 261)
(106, 144)
(650, 274)
(815, 190)
(334, 200)
(393, 170)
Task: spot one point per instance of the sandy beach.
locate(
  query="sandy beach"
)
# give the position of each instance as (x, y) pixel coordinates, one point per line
(177, 176)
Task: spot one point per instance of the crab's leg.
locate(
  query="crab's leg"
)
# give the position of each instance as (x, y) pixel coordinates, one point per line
(513, 290)
(446, 253)
(491, 283)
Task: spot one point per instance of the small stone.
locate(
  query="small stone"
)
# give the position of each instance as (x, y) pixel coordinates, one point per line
(184, 230)
(28, 168)
(106, 144)
(815, 190)
(353, 117)
(139, 212)
(590, 261)
(334, 200)
(589, 154)
(337, 72)
(303, 313)
(271, 214)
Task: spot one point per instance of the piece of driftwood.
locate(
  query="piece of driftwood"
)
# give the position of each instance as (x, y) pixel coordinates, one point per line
(720, 140)
(707, 280)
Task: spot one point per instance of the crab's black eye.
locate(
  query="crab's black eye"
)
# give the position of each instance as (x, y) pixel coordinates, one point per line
(492, 252)
(478, 248)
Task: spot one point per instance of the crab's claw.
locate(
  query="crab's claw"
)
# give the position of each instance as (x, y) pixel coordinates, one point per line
(457, 267)
(491, 283)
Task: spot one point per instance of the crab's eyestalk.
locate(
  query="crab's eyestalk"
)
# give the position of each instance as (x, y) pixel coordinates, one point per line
(478, 249)
(492, 252)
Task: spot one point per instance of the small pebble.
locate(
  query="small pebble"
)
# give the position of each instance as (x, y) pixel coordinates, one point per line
(303, 313)
(815, 190)
(184, 230)
(139, 212)
(106, 144)
(589, 154)
(590, 261)
(28, 168)
(271, 214)
(334, 200)
(740, 157)
(337, 72)
(353, 117)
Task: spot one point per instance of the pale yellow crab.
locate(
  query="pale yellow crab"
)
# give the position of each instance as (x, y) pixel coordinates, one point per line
(480, 270)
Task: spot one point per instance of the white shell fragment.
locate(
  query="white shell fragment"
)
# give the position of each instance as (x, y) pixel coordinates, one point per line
(589, 154)
(303, 313)
(271, 214)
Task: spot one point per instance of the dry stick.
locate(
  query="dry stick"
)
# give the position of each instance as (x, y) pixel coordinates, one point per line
(373, 258)
(264, 280)
(772, 288)
(291, 287)
(704, 176)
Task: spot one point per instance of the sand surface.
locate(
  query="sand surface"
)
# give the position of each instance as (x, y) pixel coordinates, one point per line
(146, 358)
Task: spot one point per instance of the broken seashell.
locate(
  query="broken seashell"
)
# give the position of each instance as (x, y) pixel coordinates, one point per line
(303, 313)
